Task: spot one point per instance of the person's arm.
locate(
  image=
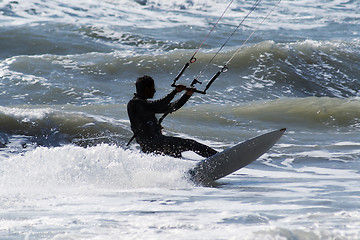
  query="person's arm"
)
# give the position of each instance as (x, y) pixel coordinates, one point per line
(184, 98)
(163, 105)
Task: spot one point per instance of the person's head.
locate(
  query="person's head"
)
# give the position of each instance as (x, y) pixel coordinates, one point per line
(145, 86)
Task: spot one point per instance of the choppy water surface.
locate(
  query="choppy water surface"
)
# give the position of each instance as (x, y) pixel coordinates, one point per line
(67, 71)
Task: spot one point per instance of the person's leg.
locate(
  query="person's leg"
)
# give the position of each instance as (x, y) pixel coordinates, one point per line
(160, 145)
(175, 146)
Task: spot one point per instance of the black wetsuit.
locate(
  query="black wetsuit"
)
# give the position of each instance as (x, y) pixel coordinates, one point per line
(147, 129)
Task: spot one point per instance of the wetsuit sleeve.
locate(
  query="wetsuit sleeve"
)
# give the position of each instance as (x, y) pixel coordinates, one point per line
(162, 105)
(179, 103)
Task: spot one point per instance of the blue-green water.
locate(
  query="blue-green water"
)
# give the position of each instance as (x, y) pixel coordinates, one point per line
(67, 71)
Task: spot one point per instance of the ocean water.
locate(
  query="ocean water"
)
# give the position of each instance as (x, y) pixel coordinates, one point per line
(67, 71)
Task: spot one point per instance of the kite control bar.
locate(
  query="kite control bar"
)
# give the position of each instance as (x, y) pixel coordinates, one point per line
(195, 81)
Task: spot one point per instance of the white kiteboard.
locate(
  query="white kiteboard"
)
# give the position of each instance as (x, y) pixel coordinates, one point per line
(232, 159)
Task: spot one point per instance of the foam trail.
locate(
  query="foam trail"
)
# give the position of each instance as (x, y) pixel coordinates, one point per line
(94, 167)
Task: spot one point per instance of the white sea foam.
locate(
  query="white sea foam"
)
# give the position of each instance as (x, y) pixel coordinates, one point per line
(25, 113)
(100, 166)
(171, 13)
